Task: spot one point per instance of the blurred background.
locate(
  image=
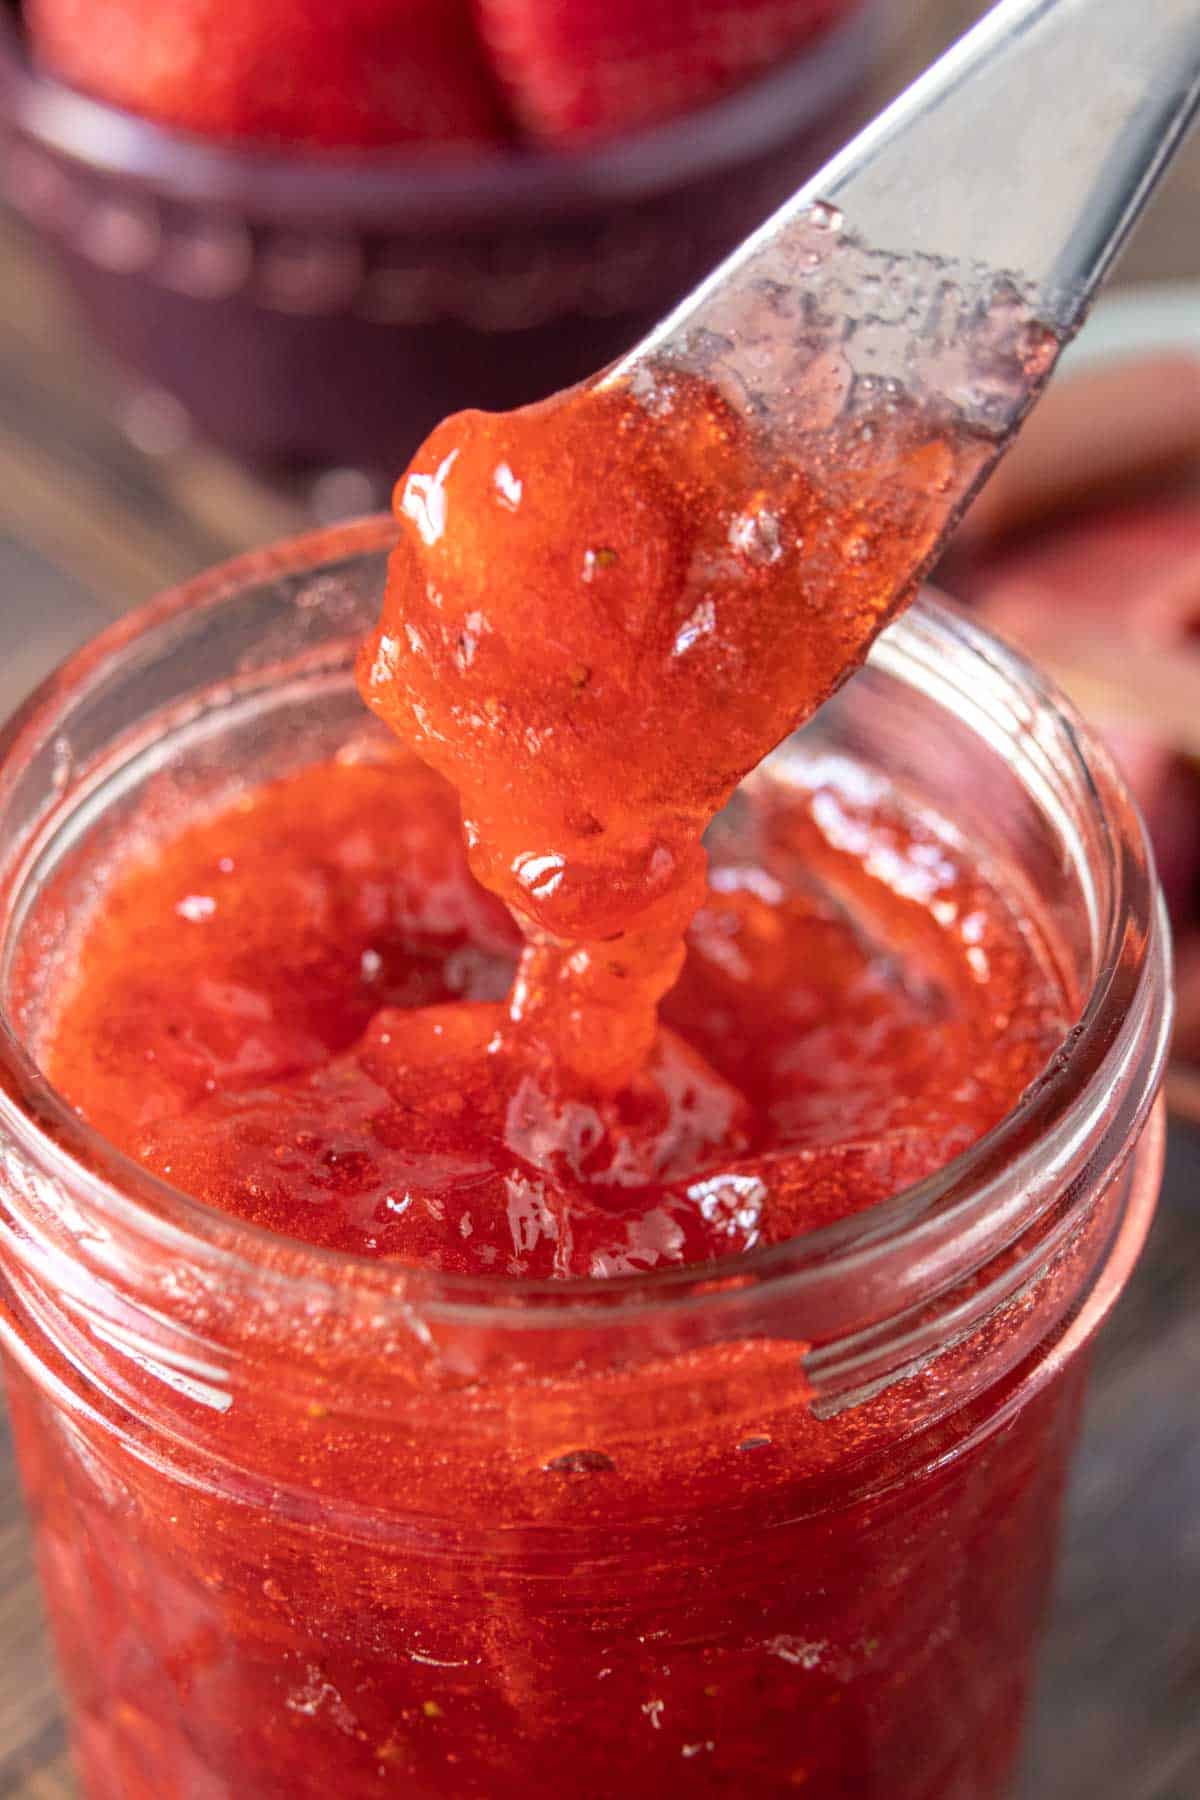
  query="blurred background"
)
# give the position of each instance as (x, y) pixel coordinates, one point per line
(225, 318)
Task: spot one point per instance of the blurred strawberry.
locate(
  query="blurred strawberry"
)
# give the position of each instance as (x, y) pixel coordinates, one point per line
(355, 73)
(1084, 550)
(1121, 575)
(1122, 430)
(581, 69)
(1187, 999)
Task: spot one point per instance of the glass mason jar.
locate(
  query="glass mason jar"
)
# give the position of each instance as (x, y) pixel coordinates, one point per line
(310, 1524)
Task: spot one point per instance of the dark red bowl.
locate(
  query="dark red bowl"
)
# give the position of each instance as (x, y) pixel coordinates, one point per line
(327, 309)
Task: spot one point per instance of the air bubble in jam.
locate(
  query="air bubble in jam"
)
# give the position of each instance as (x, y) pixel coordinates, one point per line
(64, 764)
(825, 216)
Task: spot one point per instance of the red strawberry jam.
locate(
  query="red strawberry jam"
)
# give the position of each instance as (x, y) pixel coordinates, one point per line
(627, 1022)
(294, 1008)
(602, 613)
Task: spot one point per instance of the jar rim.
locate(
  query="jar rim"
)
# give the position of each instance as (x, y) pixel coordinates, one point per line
(1118, 1045)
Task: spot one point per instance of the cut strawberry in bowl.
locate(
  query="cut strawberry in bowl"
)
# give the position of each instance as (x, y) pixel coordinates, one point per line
(360, 73)
(1187, 985)
(580, 70)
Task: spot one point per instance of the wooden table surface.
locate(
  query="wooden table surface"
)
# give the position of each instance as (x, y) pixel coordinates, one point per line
(90, 523)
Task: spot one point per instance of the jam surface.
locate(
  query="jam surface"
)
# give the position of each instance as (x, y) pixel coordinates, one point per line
(295, 1008)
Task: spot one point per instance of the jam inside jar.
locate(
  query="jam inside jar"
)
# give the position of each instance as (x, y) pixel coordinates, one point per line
(310, 1521)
